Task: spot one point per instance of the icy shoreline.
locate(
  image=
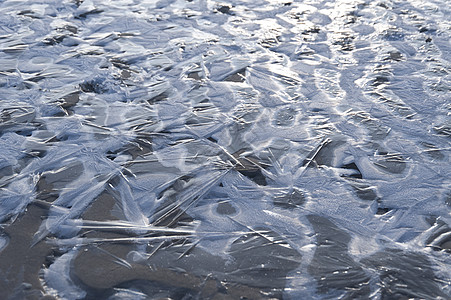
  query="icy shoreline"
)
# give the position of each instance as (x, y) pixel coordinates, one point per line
(197, 149)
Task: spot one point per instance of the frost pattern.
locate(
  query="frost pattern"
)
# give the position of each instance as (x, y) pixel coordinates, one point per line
(188, 149)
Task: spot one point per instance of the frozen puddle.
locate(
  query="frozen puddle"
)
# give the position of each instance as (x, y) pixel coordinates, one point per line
(193, 149)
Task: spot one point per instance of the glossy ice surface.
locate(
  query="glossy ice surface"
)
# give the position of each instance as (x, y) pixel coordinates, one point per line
(194, 149)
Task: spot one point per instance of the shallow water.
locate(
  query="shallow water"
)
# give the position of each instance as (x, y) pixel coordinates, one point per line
(216, 150)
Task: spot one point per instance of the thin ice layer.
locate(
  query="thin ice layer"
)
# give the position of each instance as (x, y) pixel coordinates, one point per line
(265, 149)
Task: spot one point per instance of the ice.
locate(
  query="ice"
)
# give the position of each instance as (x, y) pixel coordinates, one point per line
(199, 149)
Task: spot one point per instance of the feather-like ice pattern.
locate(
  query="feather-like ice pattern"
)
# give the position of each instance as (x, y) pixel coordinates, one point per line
(209, 150)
